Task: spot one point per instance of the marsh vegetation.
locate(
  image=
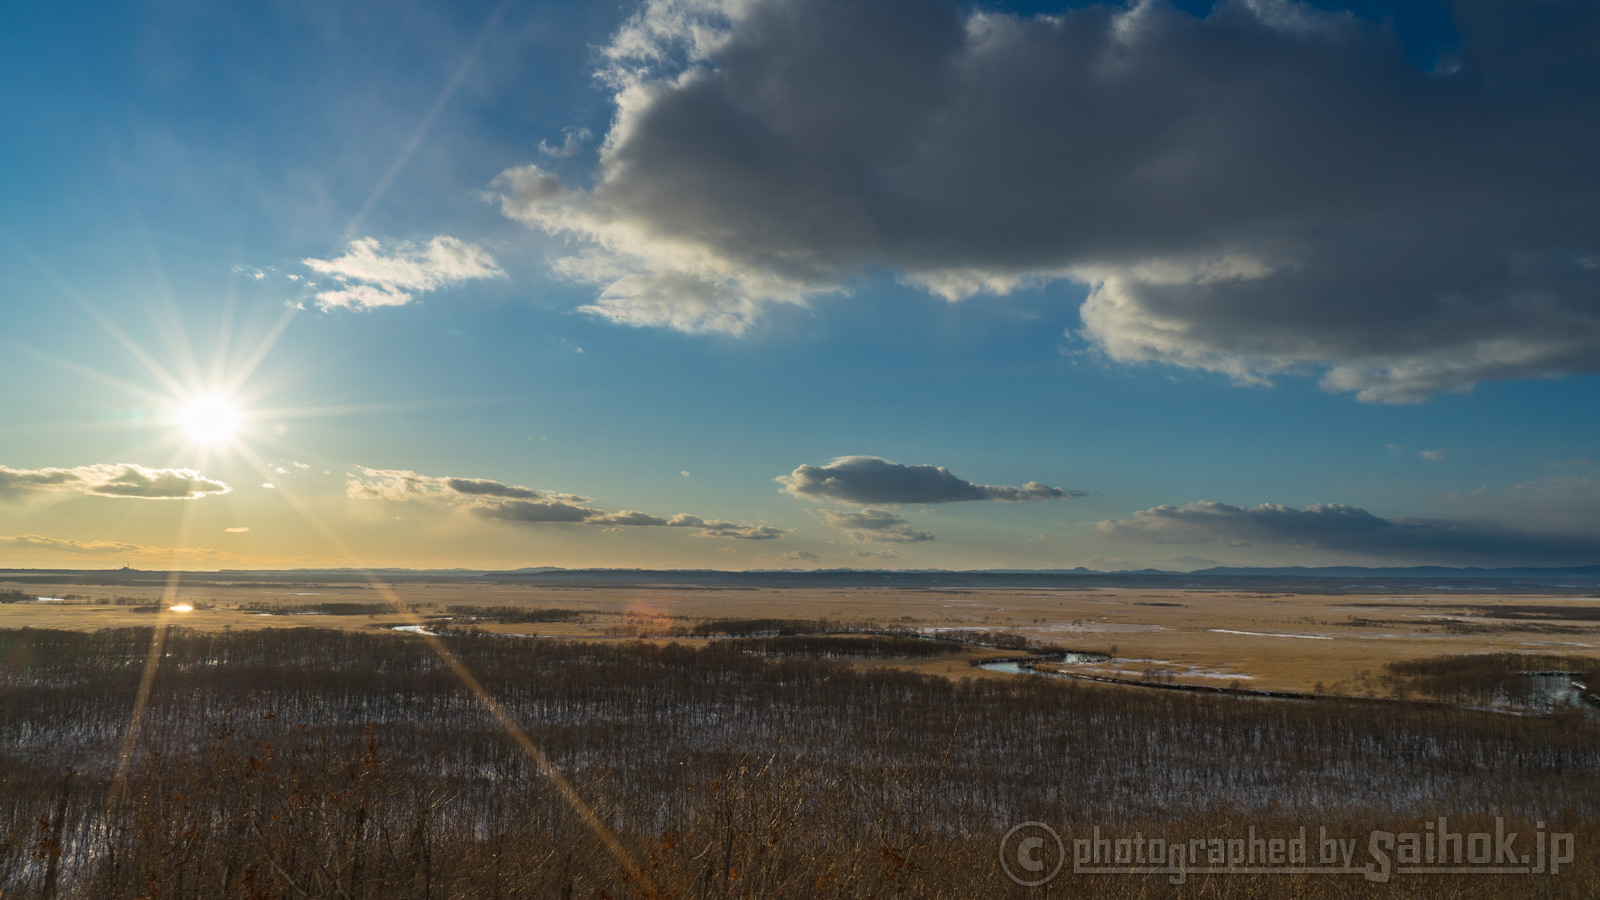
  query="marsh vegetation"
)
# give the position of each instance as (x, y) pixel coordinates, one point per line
(334, 763)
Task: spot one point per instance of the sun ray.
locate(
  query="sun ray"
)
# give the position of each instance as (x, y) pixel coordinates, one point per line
(236, 381)
(219, 355)
(82, 370)
(169, 324)
(422, 129)
(347, 409)
(158, 371)
(213, 422)
(147, 676)
(515, 731)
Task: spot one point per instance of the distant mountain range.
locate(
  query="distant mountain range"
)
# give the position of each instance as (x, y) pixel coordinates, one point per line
(1318, 579)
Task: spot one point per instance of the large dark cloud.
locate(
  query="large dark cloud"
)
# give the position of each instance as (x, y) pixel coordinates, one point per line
(870, 479)
(515, 503)
(1351, 531)
(112, 480)
(1265, 189)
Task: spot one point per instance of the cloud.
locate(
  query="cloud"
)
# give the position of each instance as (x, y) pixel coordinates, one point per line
(111, 480)
(537, 511)
(869, 479)
(369, 278)
(572, 140)
(1433, 455)
(485, 488)
(237, 530)
(37, 543)
(800, 556)
(723, 529)
(1351, 531)
(1265, 189)
(515, 503)
(875, 526)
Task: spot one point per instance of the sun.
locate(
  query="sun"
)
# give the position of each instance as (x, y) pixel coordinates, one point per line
(209, 419)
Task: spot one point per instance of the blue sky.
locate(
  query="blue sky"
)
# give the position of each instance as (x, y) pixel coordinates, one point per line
(524, 283)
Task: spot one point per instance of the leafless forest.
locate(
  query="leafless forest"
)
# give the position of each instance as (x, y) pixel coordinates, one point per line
(323, 763)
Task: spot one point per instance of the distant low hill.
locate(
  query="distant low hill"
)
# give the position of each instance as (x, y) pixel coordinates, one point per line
(1302, 579)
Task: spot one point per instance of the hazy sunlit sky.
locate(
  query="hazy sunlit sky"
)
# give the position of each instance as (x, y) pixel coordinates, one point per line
(811, 283)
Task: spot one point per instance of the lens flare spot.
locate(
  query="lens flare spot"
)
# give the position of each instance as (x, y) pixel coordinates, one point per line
(181, 607)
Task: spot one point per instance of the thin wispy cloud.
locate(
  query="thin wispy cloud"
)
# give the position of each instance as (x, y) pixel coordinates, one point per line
(34, 543)
(1264, 189)
(875, 526)
(370, 277)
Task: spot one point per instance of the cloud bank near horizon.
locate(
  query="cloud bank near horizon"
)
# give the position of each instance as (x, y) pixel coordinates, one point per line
(1267, 189)
(515, 503)
(34, 543)
(1350, 530)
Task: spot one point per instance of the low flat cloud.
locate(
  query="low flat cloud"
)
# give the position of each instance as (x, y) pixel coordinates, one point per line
(1261, 189)
(724, 529)
(515, 503)
(878, 526)
(111, 480)
(23, 543)
(1352, 531)
(871, 479)
(368, 277)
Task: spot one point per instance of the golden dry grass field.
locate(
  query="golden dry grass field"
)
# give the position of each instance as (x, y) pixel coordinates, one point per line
(1272, 641)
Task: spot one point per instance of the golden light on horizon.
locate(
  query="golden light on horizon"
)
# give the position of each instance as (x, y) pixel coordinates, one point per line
(181, 608)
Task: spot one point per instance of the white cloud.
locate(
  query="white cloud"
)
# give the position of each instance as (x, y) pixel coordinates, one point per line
(368, 277)
(572, 140)
(1264, 190)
